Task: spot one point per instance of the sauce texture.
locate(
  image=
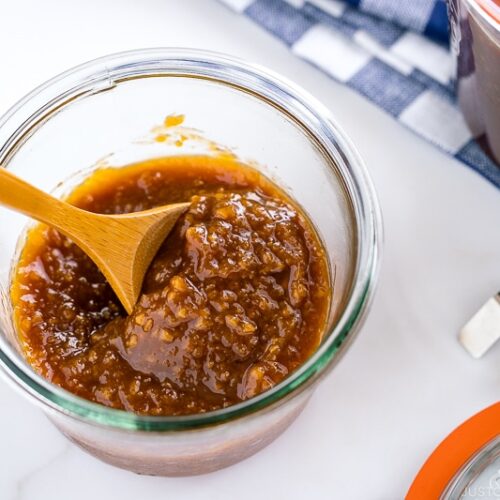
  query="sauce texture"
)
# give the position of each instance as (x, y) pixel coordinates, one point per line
(235, 300)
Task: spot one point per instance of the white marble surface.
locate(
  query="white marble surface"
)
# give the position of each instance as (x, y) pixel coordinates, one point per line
(406, 382)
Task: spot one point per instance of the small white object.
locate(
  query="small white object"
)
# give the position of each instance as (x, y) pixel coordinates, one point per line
(483, 329)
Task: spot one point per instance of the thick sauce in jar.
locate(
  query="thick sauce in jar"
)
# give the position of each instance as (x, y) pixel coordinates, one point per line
(235, 300)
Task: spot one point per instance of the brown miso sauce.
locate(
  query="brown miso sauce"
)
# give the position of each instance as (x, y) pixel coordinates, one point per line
(235, 300)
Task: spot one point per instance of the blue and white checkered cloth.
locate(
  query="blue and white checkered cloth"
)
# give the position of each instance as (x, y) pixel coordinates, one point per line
(394, 52)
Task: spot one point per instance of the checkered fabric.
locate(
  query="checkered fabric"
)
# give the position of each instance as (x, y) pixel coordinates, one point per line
(394, 52)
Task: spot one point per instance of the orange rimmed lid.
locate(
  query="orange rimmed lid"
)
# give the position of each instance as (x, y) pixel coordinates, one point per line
(458, 448)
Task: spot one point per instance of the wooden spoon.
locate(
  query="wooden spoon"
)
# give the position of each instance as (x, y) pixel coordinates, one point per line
(122, 246)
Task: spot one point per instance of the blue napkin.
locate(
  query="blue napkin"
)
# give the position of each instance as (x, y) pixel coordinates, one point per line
(394, 52)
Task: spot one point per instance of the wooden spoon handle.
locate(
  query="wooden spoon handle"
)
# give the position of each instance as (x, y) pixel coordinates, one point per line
(29, 200)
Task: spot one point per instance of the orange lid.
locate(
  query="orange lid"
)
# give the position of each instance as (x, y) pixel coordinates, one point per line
(447, 459)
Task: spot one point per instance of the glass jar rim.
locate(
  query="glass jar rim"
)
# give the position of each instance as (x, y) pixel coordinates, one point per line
(106, 72)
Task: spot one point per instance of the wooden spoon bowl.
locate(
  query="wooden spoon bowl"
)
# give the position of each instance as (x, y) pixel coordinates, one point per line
(122, 246)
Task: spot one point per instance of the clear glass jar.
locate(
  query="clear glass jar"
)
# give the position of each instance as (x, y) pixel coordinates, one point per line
(475, 44)
(479, 477)
(103, 107)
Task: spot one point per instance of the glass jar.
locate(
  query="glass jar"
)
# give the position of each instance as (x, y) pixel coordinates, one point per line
(103, 109)
(479, 477)
(475, 44)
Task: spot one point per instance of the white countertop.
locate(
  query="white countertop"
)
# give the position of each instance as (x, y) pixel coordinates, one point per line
(405, 383)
